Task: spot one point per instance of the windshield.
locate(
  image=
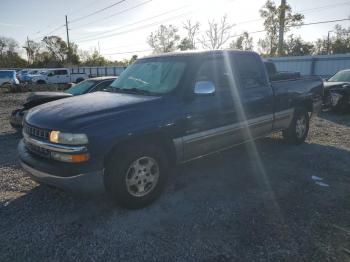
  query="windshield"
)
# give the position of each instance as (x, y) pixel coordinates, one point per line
(81, 88)
(156, 76)
(341, 76)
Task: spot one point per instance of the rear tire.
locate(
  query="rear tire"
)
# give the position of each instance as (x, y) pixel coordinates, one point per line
(41, 82)
(298, 128)
(136, 176)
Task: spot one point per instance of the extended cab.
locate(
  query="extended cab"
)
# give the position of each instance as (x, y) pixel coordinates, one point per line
(57, 76)
(162, 110)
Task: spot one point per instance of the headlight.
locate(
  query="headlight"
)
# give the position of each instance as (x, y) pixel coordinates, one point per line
(67, 138)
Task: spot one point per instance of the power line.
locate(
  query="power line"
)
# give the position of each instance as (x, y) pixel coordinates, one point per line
(118, 13)
(136, 29)
(96, 12)
(84, 8)
(324, 7)
(49, 33)
(236, 35)
(301, 25)
(131, 24)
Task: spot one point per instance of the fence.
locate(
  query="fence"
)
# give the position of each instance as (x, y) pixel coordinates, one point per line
(321, 65)
(99, 70)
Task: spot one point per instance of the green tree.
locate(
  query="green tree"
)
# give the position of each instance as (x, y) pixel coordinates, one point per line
(243, 42)
(57, 47)
(9, 57)
(95, 59)
(271, 14)
(295, 46)
(339, 42)
(132, 59)
(164, 39)
(186, 44)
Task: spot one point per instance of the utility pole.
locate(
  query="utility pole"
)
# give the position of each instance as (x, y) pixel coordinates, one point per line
(328, 42)
(68, 44)
(281, 27)
(28, 50)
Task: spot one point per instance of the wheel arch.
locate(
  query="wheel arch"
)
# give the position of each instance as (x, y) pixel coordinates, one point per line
(157, 138)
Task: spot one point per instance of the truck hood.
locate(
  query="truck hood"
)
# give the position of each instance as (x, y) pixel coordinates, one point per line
(77, 112)
(38, 98)
(332, 85)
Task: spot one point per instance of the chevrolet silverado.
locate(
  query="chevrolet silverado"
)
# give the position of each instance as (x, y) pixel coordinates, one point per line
(162, 110)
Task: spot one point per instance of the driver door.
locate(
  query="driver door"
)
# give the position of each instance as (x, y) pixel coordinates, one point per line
(209, 118)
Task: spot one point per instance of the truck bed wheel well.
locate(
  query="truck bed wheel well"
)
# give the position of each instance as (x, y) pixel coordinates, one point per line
(307, 104)
(158, 139)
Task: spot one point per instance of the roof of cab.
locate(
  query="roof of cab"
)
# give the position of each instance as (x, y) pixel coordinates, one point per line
(196, 53)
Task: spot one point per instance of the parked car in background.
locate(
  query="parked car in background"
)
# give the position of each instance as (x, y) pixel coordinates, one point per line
(58, 76)
(27, 76)
(275, 75)
(38, 98)
(20, 73)
(8, 77)
(337, 91)
(162, 110)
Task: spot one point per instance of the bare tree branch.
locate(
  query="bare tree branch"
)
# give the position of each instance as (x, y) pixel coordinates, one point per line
(217, 34)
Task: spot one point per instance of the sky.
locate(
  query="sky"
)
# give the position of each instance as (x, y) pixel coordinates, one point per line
(121, 30)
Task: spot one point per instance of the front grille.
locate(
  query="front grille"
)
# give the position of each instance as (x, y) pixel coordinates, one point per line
(36, 132)
(37, 150)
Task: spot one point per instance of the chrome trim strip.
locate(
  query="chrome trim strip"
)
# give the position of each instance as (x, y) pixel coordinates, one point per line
(180, 142)
(54, 147)
(283, 119)
(228, 128)
(222, 149)
(284, 113)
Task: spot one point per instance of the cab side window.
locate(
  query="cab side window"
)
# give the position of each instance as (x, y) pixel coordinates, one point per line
(61, 72)
(215, 71)
(250, 72)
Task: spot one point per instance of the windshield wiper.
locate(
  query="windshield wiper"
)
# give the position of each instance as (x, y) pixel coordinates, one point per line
(137, 91)
(132, 90)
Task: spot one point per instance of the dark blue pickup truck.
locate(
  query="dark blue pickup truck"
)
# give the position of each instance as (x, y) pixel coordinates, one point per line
(162, 110)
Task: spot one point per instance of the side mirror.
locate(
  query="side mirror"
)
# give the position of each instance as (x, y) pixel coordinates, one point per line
(204, 88)
(50, 74)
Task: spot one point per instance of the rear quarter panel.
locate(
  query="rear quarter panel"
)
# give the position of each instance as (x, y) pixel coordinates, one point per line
(290, 94)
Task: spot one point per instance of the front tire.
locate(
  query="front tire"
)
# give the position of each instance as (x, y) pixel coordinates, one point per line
(136, 176)
(298, 129)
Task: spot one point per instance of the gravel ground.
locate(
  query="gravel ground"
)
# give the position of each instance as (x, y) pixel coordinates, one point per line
(256, 202)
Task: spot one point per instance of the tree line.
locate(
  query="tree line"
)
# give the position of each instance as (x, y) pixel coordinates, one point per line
(218, 34)
(53, 51)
